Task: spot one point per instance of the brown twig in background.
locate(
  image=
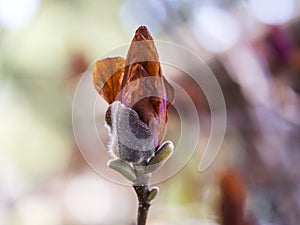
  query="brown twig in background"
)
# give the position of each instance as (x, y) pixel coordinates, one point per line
(233, 199)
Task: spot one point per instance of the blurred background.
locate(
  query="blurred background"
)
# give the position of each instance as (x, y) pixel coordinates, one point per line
(253, 48)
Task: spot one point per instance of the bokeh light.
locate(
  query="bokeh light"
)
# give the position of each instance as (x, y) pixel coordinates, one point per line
(88, 200)
(272, 11)
(17, 14)
(44, 208)
(215, 29)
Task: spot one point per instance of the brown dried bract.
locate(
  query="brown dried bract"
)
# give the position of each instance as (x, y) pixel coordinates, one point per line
(107, 77)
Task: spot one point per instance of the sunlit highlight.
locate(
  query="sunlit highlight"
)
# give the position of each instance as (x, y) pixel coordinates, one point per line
(17, 14)
(272, 11)
(215, 29)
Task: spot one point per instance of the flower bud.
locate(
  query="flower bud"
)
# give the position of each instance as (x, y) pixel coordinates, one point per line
(139, 97)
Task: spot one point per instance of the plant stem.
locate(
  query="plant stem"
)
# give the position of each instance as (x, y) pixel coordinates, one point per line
(142, 192)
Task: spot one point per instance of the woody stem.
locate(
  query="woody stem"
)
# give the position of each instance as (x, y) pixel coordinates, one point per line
(142, 193)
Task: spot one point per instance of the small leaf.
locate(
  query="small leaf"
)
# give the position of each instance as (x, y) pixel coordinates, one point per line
(152, 194)
(160, 157)
(123, 168)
